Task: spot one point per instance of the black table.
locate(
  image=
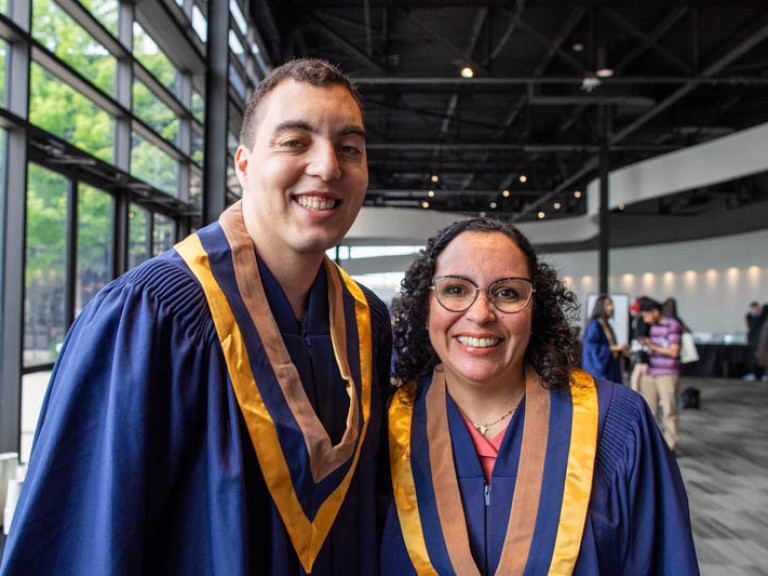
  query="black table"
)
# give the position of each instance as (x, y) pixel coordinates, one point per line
(720, 361)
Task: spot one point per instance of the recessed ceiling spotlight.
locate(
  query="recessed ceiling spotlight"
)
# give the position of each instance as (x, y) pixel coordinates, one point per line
(467, 72)
(577, 194)
(431, 193)
(505, 193)
(557, 205)
(435, 178)
(425, 204)
(493, 205)
(541, 215)
(577, 47)
(523, 178)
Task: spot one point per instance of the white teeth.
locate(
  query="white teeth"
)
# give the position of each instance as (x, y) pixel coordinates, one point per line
(478, 342)
(314, 203)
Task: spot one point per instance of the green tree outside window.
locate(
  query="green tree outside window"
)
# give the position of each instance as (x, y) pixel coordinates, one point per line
(45, 267)
(62, 111)
(105, 11)
(151, 110)
(59, 33)
(138, 245)
(94, 243)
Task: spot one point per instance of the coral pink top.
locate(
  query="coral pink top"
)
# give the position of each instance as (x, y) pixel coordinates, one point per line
(486, 448)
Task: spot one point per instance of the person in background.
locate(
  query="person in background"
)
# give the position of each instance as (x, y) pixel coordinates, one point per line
(659, 384)
(669, 310)
(752, 320)
(761, 349)
(216, 410)
(601, 354)
(639, 331)
(505, 457)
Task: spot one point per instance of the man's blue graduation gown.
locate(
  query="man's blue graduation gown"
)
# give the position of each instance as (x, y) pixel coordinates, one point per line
(177, 438)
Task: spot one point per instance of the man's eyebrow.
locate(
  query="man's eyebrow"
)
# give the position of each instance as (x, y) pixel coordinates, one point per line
(347, 130)
(294, 125)
(352, 130)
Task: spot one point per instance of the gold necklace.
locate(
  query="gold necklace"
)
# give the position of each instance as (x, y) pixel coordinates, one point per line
(483, 428)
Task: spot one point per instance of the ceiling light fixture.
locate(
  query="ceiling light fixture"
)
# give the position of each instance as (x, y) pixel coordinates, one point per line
(431, 193)
(505, 193)
(425, 204)
(523, 178)
(541, 215)
(603, 70)
(467, 72)
(435, 178)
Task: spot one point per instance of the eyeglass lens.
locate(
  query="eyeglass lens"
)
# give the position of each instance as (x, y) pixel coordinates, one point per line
(458, 294)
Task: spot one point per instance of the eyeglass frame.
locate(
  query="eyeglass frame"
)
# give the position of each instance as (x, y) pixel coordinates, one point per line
(477, 291)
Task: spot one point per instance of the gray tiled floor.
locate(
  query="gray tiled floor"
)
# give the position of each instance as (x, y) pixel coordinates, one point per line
(723, 456)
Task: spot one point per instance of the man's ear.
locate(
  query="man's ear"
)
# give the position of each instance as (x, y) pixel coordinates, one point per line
(241, 164)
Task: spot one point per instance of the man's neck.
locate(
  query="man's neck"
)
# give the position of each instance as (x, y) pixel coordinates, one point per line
(295, 273)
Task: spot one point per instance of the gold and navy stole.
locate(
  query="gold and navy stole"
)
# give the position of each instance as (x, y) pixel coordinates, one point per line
(307, 477)
(559, 434)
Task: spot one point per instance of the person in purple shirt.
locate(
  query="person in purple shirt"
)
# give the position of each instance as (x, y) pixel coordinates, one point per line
(660, 383)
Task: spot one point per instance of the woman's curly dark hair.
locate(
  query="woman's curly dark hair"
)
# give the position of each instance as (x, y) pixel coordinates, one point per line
(553, 348)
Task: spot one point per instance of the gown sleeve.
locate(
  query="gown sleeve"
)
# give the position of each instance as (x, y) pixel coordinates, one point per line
(639, 521)
(109, 442)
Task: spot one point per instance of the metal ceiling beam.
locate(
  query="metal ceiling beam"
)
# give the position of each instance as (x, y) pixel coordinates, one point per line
(442, 41)
(346, 44)
(652, 40)
(758, 35)
(491, 83)
(511, 146)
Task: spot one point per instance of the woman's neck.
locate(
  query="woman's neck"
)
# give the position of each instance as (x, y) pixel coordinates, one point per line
(485, 402)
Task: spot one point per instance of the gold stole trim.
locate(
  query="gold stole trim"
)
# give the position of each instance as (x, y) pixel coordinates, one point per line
(578, 475)
(525, 502)
(307, 536)
(404, 488)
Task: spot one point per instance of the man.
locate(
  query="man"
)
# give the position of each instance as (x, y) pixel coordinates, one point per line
(217, 409)
(754, 325)
(660, 382)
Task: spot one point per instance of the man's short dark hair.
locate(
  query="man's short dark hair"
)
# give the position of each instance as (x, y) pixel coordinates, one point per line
(649, 304)
(312, 70)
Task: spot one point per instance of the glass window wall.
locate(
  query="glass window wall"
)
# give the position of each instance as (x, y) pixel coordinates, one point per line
(3, 55)
(153, 165)
(138, 238)
(146, 51)
(60, 34)
(163, 234)
(105, 11)
(153, 112)
(84, 124)
(95, 213)
(45, 290)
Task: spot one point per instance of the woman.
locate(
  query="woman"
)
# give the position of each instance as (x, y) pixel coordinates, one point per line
(669, 309)
(493, 432)
(601, 355)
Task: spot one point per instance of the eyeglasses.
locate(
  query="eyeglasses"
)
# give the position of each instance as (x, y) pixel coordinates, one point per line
(457, 294)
